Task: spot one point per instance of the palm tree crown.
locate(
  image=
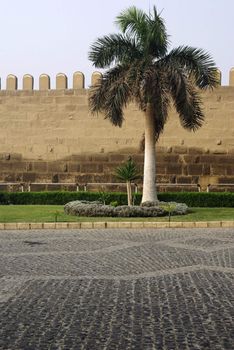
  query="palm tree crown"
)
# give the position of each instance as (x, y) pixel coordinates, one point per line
(142, 70)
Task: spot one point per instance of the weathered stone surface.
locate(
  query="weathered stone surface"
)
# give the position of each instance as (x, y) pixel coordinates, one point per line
(174, 169)
(226, 180)
(29, 177)
(194, 169)
(218, 170)
(91, 168)
(196, 150)
(184, 179)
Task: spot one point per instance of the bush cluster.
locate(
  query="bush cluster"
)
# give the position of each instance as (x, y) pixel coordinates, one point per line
(192, 199)
(84, 208)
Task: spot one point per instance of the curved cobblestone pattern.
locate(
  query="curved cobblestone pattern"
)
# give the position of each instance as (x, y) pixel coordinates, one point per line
(117, 289)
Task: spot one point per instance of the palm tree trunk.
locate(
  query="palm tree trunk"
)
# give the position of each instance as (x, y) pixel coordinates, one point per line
(129, 192)
(149, 186)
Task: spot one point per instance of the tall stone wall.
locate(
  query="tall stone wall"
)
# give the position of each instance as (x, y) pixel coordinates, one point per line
(49, 136)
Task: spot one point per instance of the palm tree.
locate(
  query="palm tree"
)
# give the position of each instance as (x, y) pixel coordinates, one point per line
(128, 172)
(142, 70)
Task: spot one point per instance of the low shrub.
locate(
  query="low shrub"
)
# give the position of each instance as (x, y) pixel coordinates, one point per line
(93, 209)
(192, 199)
(114, 203)
(60, 197)
(200, 199)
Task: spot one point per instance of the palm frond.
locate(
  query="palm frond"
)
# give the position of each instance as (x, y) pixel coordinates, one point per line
(111, 95)
(157, 38)
(113, 49)
(128, 171)
(148, 30)
(158, 95)
(133, 21)
(196, 63)
(187, 101)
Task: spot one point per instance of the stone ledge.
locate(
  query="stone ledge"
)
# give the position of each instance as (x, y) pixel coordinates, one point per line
(114, 224)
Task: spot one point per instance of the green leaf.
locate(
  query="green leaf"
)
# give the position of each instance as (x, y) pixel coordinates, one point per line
(128, 171)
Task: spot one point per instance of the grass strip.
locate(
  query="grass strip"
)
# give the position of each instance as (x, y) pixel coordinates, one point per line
(54, 213)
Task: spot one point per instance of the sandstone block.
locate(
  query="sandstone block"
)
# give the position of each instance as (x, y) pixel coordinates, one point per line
(218, 170)
(117, 157)
(206, 169)
(226, 180)
(124, 224)
(61, 225)
(160, 169)
(174, 224)
(188, 224)
(10, 226)
(196, 150)
(191, 159)
(107, 178)
(28, 82)
(78, 80)
(86, 225)
(91, 168)
(84, 178)
(73, 167)
(61, 81)
(49, 225)
(227, 223)
(23, 226)
(201, 224)
(69, 92)
(8, 177)
(29, 177)
(112, 224)
(174, 169)
(137, 224)
(39, 167)
(99, 158)
(214, 224)
(184, 179)
(230, 170)
(12, 82)
(73, 225)
(68, 178)
(57, 166)
(180, 149)
(54, 187)
(96, 77)
(99, 224)
(172, 158)
(36, 225)
(194, 169)
(231, 77)
(44, 82)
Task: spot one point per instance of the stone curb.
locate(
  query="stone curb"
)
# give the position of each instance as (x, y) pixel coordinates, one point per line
(113, 224)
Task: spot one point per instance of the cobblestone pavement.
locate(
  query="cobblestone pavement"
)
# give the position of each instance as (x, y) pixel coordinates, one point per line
(117, 289)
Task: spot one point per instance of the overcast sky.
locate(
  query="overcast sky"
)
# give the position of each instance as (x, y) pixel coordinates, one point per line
(53, 36)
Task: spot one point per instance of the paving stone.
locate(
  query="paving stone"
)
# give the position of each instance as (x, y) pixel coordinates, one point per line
(133, 289)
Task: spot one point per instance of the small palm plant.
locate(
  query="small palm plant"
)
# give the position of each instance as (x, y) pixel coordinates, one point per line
(128, 172)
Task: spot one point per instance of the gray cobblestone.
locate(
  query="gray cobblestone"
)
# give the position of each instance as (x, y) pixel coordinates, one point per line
(117, 289)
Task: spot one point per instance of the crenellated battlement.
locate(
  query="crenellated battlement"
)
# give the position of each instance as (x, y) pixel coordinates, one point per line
(78, 81)
(61, 81)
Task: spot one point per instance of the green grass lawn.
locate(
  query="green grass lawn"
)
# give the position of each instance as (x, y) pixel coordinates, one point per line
(51, 213)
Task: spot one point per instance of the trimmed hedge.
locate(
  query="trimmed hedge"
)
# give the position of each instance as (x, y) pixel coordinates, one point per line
(192, 199)
(59, 197)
